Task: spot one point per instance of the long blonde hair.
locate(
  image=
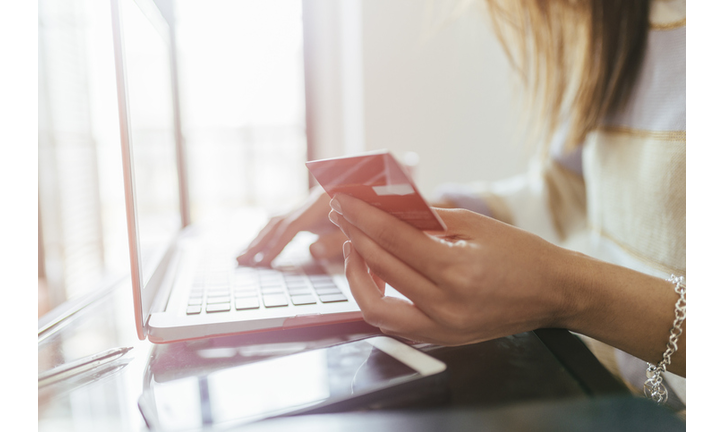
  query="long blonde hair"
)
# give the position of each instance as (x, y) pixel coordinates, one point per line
(579, 57)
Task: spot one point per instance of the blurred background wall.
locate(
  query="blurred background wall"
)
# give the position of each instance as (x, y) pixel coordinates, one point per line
(408, 75)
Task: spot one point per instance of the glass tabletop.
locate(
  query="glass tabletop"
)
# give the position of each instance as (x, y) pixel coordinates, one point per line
(105, 397)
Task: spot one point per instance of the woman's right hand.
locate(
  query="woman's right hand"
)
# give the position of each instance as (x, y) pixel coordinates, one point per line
(312, 217)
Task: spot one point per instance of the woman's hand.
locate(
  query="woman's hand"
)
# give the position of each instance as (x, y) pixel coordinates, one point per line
(483, 279)
(312, 217)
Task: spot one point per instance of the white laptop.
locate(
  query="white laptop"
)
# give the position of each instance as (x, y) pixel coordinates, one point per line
(186, 283)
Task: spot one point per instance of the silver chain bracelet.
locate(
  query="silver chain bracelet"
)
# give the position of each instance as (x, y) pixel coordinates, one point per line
(654, 387)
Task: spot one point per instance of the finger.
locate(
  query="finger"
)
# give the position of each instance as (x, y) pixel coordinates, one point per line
(308, 217)
(282, 229)
(394, 316)
(378, 310)
(258, 244)
(390, 269)
(270, 242)
(399, 238)
(328, 246)
(279, 239)
(334, 217)
(381, 284)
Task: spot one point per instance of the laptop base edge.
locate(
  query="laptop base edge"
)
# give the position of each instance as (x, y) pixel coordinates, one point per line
(162, 335)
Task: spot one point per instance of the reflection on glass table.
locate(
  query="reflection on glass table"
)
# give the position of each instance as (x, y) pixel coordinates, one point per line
(106, 398)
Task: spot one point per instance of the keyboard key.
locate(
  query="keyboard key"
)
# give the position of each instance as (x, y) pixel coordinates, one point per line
(303, 299)
(326, 284)
(221, 307)
(332, 298)
(266, 275)
(195, 301)
(245, 284)
(245, 279)
(290, 279)
(275, 300)
(272, 290)
(239, 294)
(324, 291)
(245, 269)
(247, 303)
(245, 272)
(271, 283)
(320, 279)
(217, 300)
(193, 310)
(216, 280)
(299, 291)
(288, 269)
(195, 293)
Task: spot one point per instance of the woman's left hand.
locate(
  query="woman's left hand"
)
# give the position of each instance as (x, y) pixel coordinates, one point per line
(480, 280)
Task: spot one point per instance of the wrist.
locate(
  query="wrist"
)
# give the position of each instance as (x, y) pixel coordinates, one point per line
(626, 309)
(573, 281)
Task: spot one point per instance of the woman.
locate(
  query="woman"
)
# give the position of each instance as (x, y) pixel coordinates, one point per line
(609, 79)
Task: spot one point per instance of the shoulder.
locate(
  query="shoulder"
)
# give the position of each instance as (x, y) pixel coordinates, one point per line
(667, 14)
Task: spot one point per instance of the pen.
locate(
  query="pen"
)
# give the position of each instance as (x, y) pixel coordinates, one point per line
(81, 365)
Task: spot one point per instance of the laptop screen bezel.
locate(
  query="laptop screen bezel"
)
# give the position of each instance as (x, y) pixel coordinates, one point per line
(143, 297)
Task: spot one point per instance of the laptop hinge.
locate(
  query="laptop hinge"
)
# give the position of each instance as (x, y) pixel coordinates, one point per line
(160, 301)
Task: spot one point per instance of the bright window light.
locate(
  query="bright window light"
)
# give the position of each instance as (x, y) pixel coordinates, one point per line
(241, 80)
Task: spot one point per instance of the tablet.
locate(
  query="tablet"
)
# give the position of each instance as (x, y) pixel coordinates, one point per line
(376, 372)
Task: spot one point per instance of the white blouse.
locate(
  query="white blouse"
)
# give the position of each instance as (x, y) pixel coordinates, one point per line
(621, 196)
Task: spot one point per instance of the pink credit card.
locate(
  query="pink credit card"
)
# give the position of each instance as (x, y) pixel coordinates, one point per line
(377, 179)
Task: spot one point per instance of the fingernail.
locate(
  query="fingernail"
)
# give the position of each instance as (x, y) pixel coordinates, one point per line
(336, 206)
(347, 248)
(259, 257)
(334, 217)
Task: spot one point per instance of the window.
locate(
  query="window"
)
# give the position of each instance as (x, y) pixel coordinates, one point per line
(78, 194)
(241, 85)
(241, 81)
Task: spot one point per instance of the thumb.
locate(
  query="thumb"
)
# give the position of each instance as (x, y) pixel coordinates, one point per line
(462, 220)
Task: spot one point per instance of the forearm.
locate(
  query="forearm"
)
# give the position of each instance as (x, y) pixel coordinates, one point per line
(626, 309)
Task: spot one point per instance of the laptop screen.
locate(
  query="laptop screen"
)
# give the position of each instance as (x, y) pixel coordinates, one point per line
(143, 69)
(150, 120)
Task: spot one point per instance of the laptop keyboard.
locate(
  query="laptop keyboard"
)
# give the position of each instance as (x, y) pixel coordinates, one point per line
(252, 288)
